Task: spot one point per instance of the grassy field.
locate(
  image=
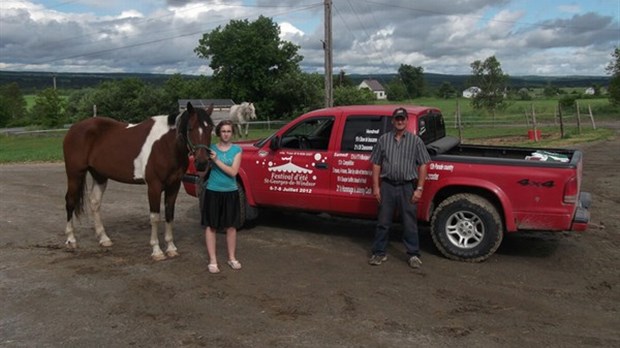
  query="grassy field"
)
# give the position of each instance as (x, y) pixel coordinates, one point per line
(510, 127)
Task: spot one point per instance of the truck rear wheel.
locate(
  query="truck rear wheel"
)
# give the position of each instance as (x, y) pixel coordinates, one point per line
(466, 227)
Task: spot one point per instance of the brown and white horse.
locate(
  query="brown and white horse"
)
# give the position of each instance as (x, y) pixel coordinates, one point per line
(153, 152)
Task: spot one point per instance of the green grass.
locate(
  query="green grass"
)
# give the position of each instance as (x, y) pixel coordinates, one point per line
(30, 149)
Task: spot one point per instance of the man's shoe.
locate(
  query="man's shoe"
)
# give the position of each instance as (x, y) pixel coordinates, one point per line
(376, 260)
(415, 262)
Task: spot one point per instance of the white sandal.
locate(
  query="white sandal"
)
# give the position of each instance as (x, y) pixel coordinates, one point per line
(234, 264)
(213, 268)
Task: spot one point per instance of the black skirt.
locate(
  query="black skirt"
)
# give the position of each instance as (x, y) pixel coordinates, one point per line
(220, 209)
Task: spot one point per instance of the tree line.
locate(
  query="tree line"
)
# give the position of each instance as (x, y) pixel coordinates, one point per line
(261, 68)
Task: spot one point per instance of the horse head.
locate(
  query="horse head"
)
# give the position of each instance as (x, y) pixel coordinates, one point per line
(249, 111)
(196, 127)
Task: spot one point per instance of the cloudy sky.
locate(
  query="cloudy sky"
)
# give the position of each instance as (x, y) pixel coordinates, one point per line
(528, 37)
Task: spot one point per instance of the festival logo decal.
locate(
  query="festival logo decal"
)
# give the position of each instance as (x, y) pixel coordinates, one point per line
(286, 176)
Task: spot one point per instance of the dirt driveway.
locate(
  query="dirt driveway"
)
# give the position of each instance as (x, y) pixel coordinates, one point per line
(305, 281)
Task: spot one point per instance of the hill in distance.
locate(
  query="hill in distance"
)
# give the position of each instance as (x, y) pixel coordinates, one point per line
(35, 81)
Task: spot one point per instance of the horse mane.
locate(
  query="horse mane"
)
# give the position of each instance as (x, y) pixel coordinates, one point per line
(180, 120)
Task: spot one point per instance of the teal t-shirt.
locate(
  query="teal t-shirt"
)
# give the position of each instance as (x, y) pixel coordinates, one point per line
(218, 180)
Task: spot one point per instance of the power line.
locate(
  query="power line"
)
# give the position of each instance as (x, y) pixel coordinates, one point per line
(143, 43)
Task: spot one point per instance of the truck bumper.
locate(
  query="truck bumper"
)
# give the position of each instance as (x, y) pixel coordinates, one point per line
(582, 214)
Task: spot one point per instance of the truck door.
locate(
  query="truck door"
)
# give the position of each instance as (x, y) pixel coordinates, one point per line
(352, 170)
(296, 175)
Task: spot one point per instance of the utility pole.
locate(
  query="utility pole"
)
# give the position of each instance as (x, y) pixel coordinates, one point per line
(327, 47)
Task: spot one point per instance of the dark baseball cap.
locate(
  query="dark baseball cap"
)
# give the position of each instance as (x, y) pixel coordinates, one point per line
(400, 113)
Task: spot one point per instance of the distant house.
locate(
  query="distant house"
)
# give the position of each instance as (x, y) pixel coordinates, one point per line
(590, 91)
(471, 92)
(375, 87)
(221, 107)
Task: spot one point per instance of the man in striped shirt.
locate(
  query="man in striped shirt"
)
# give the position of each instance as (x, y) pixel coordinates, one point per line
(398, 173)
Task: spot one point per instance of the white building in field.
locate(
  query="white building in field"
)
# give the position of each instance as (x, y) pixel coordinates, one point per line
(375, 87)
(471, 92)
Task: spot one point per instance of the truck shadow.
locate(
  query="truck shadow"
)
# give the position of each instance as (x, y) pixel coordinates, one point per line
(531, 244)
(361, 232)
(357, 231)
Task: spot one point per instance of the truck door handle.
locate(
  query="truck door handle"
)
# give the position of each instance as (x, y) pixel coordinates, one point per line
(321, 166)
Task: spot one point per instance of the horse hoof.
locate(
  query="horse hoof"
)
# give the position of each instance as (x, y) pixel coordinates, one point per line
(158, 257)
(172, 253)
(106, 243)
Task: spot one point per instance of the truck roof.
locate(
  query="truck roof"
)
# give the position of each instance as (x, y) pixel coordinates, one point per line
(387, 109)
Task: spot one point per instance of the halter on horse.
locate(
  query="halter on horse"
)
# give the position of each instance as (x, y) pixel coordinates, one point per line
(240, 114)
(153, 152)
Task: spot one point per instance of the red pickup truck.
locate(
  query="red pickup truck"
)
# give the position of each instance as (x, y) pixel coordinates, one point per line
(320, 162)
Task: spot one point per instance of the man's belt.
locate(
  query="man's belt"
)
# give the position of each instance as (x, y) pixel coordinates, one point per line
(396, 182)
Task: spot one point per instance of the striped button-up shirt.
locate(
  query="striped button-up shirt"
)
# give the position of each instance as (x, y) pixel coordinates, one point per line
(399, 160)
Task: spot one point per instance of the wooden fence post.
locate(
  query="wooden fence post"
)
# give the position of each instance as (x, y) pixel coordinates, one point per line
(527, 119)
(534, 123)
(458, 119)
(561, 120)
(591, 116)
(578, 117)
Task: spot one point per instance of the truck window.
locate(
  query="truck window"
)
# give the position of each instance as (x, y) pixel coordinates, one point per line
(311, 134)
(431, 127)
(362, 132)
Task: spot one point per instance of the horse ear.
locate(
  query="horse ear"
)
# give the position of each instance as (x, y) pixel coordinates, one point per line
(190, 107)
(210, 109)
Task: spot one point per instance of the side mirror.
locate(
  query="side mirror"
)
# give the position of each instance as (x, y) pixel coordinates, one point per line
(275, 143)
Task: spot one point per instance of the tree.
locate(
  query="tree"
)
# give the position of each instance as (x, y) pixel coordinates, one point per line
(490, 78)
(12, 105)
(550, 90)
(342, 80)
(396, 90)
(613, 69)
(248, 59)
(130, 100)
(294, 94)
(446, 90)
(48, 109)
(352, 95)
(413, 79)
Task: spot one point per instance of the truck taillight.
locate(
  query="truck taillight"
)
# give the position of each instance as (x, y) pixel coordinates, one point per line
(571, 191)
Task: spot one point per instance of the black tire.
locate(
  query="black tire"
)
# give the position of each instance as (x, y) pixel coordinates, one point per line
(467, 227)
(247, 213)
(243, 203)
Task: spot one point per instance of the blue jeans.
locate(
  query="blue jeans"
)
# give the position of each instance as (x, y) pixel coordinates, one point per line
(392, 198)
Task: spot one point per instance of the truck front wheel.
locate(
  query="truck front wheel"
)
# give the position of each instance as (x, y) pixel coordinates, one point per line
(466, 227)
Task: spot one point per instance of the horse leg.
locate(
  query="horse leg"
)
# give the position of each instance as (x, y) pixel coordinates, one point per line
(169, 201)
(96, 194)
(76, 180)
(247, 127)
(240, 130)
(154, 192)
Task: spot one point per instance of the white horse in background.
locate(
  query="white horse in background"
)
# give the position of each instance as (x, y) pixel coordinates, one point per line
(240, 114)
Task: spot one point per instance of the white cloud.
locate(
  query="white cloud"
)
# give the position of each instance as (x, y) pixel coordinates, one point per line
(442, 36)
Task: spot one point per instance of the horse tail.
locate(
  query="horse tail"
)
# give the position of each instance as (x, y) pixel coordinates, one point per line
(74, 198)
(79, 201)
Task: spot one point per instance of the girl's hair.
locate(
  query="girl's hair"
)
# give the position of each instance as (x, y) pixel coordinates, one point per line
(224, 123)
